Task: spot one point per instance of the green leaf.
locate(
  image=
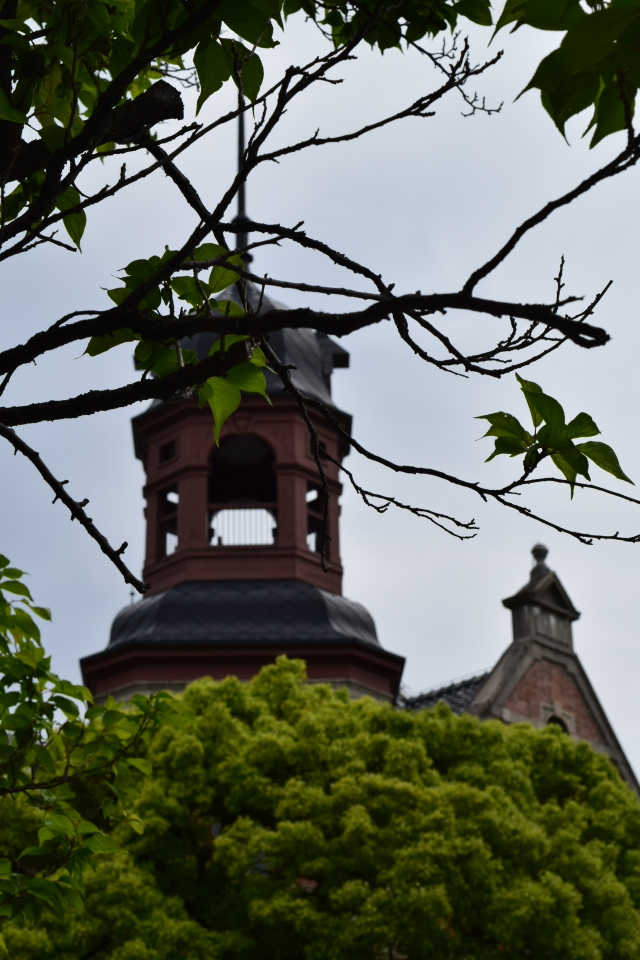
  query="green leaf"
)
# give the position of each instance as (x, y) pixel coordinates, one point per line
(98, 345)
(138, 763)
(222, 277)
(75, 222)
(62, 824)
(85, 828)
(478, 11)
(541, 14)
(142, 269)
(119, 294)
(102, 843)
(112, 718)
(213, 70)
(223, 397)
(43, 612)
(228, 339)
(528, 387)
(565, 468)
(7, 112)
(14, 586)
(208, 251)
(553, 437)
(509, 446)
(249, 378)
(252, 71)
(603, 456)
(576, 460)
(228, 308)
(68, 707)
(609, 115)
(548, 408)
(582, 426)
(157, 358)
(249, 22)
(505, 425)
(192, 291)
(94, 712)
(258, 358)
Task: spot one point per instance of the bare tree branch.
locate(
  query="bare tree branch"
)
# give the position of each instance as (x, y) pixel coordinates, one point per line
(75, 508)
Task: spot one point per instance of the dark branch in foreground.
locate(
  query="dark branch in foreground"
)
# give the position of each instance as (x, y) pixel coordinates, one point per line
(75, 508)
(367, 496)
(337, 324)
(486, 493)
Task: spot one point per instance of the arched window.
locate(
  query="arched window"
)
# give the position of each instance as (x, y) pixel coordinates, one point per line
(242, 493)
(168, 522)
(558, 722)
(315, 517)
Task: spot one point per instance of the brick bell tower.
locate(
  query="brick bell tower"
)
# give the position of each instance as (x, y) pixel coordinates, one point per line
(232, 546)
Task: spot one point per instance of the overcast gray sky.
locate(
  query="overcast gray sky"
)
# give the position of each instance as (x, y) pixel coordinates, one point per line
(424, 203)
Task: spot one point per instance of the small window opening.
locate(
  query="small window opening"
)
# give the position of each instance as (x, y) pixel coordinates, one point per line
(167, 451)
(558, 722)
(170, 542)
(315, 517)
(168, 518)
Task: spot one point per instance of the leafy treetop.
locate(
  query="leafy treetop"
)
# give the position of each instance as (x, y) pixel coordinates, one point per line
(288, 821)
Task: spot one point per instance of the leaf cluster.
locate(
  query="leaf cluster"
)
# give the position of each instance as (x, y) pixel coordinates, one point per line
(288, 821)
(398, 24)
(551, 437)
(222, 394)
(597, 64)
(75, 766)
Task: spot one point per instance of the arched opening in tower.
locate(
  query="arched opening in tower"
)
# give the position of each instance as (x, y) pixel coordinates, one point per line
(242, 493)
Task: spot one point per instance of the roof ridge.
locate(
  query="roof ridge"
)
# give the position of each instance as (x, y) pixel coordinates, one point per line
(475, 675)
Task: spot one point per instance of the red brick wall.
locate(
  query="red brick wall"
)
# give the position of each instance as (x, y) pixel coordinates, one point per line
(547, 682)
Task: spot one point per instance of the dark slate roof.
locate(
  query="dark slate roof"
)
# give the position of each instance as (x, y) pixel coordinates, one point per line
(458, 695)
(243, 611)
(314, 355)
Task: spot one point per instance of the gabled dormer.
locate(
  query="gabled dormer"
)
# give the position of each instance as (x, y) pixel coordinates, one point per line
(542, 609)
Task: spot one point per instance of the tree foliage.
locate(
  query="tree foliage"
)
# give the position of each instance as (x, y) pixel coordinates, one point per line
(287, 821)
(69, 770)
(552, 437)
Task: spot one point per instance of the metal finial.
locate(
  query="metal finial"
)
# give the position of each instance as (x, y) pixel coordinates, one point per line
(539, 553)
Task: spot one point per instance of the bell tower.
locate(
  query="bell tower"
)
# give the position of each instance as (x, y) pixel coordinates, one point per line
(233, 544)
(253, 507)
(233, 537)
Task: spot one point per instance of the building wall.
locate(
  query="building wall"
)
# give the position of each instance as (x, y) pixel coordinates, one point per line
(548, 689)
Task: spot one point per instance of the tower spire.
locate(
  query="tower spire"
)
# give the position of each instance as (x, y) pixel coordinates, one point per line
(242, 238)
